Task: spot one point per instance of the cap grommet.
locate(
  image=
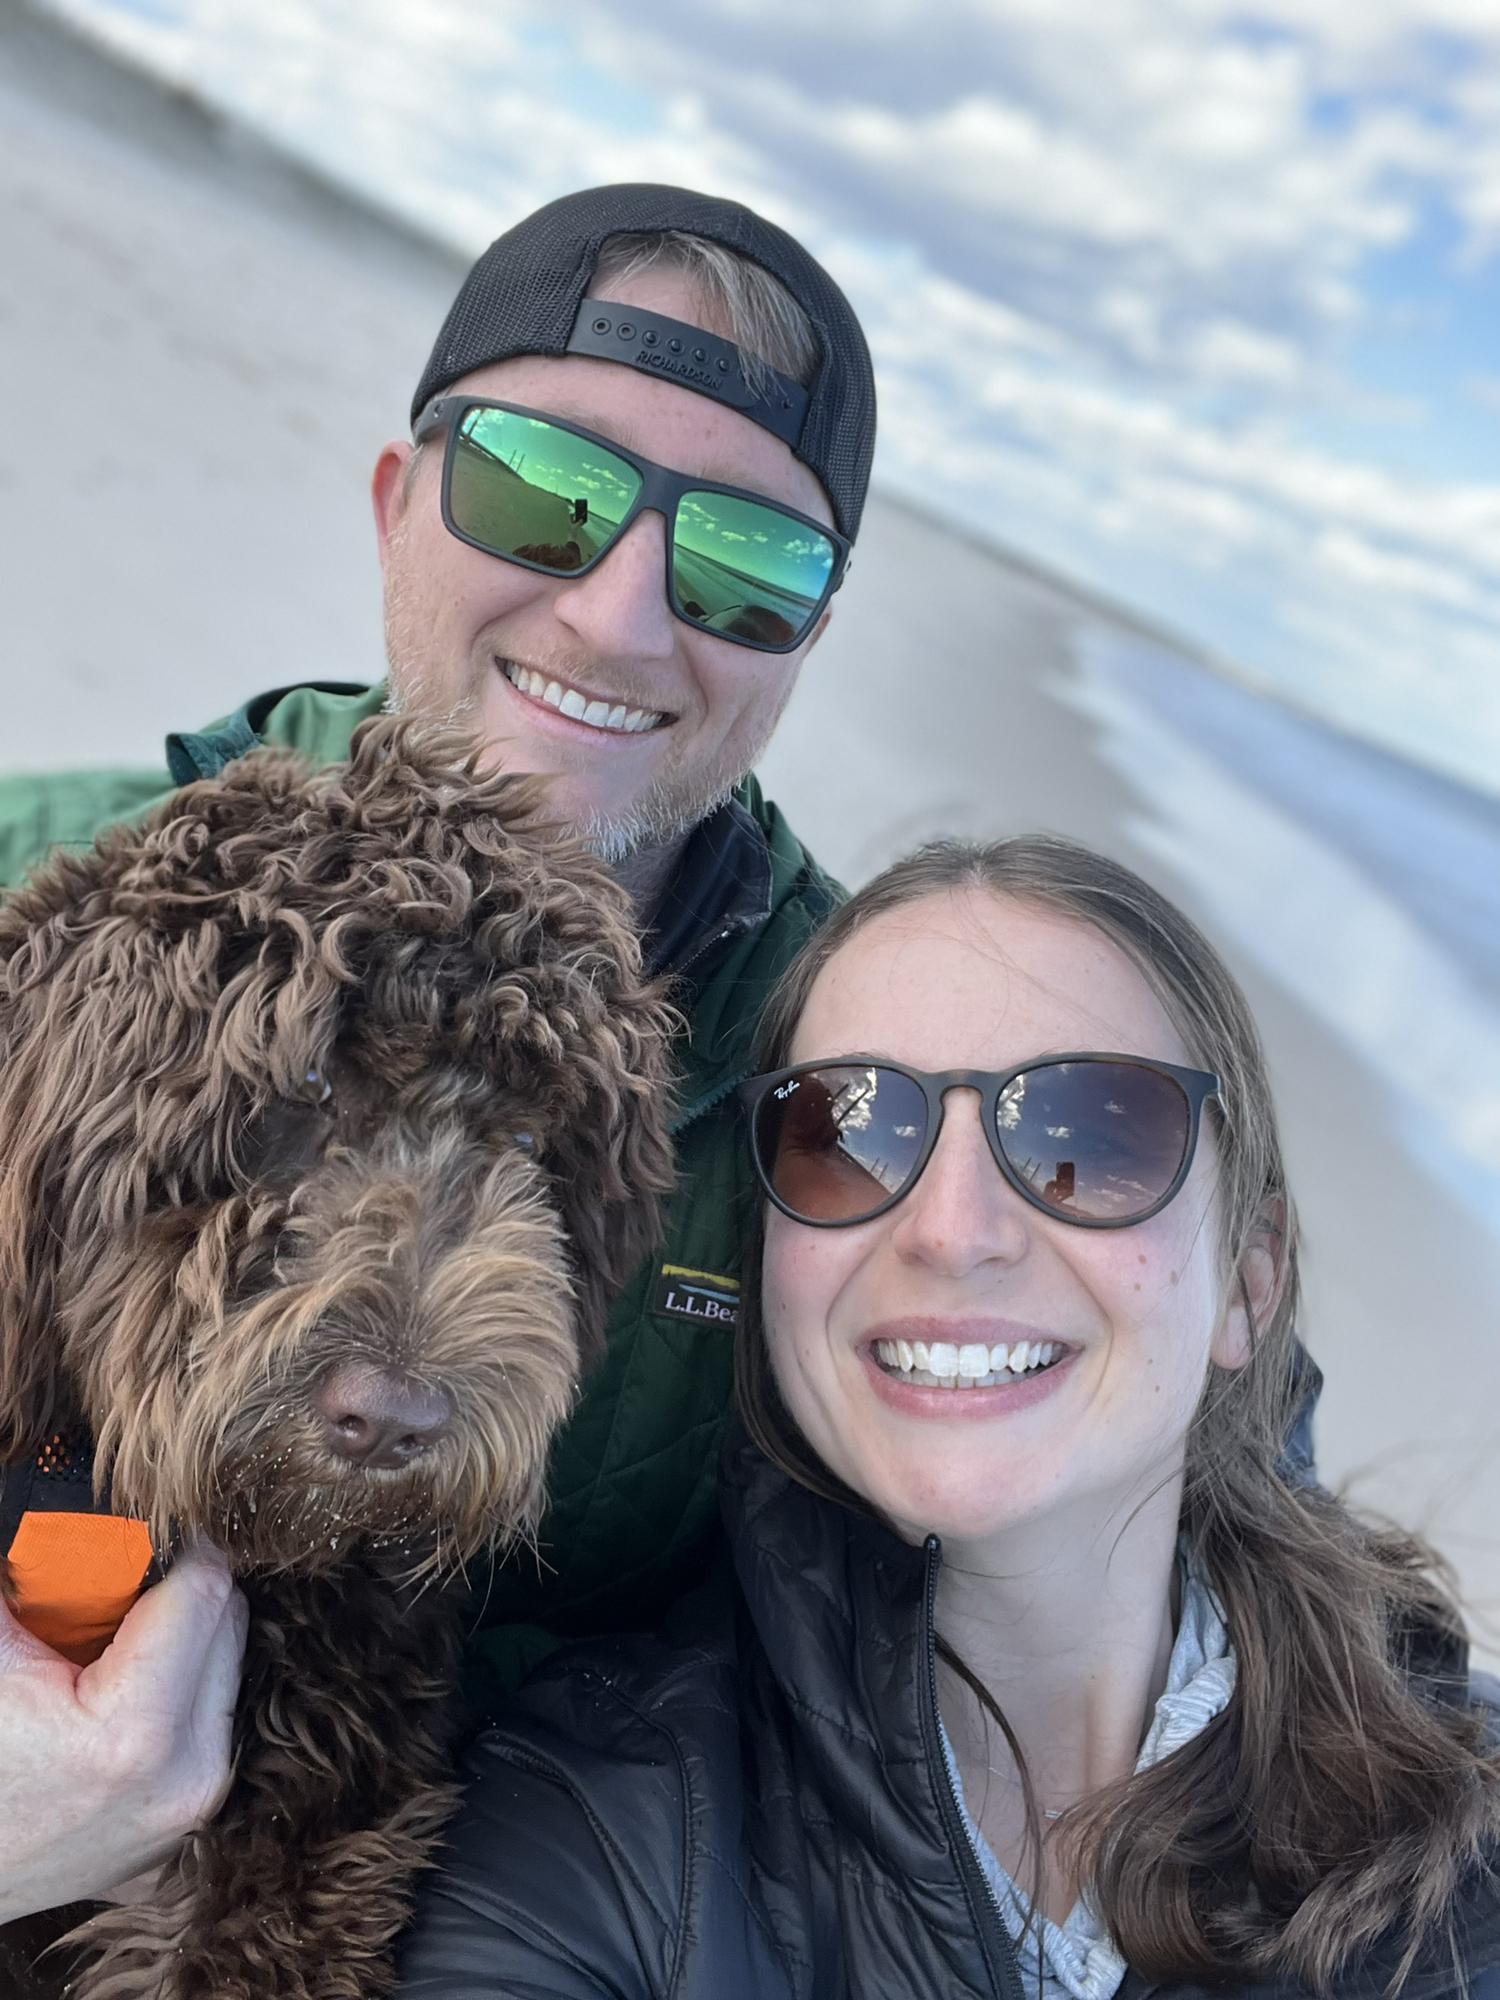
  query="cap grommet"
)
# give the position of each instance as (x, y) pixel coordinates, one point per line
(601, 326)
(625, 330)
(723, 366)
(648, 338)
(699, 355)
(675, 344)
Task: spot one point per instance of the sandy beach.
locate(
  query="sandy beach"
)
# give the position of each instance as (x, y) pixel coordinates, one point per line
(207, 348)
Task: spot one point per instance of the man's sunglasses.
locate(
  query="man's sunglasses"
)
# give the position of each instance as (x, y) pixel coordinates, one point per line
(1098, 1140)
(556, 498)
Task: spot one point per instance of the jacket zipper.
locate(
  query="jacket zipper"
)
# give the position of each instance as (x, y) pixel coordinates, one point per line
(994, 1938)
(709, 1102)
(691, 1113)
(705, 945)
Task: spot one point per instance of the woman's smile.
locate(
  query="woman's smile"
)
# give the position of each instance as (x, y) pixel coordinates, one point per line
(915, 1371)
(962, 1370)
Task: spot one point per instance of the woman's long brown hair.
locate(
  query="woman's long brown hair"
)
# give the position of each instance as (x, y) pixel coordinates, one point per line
(1347, 1793)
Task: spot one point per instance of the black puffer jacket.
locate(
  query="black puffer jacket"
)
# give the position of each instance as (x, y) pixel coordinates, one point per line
(753, 1807)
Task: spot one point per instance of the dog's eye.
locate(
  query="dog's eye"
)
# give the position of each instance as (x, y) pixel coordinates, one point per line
(315, 1086)
(524, 1141)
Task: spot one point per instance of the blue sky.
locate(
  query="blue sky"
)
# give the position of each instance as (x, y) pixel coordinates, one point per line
(1199, 303)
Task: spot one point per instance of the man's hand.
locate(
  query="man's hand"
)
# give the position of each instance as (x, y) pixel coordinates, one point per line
(104, 1768)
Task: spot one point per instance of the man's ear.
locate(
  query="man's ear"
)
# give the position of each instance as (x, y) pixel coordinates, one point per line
(1255, 1289)
(817, 631)
(389, 486)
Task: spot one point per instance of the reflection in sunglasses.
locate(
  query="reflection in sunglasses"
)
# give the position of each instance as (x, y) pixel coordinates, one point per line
(835, 1144)
(556, 555)
(855, 1102)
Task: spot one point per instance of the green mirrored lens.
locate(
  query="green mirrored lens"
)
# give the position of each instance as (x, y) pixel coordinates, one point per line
(746, 570)
(524, 488)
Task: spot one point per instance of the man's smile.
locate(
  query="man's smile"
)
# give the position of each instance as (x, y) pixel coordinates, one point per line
(593, 710)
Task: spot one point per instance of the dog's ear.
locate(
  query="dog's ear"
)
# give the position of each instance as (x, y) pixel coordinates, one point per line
(50, 1061)
(613, 1164)
(118, 1058)
(28, 1254)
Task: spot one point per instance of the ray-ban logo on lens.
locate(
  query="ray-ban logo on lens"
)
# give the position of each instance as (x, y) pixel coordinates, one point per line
(697, 1295)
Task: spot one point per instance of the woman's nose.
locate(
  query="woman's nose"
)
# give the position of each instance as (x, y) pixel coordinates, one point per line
(620, 608)
(962, 1213)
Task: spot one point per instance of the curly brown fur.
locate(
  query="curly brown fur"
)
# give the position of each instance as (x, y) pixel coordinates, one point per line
(311, 1071)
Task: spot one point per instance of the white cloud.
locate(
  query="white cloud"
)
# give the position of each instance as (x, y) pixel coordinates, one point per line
(1389, 571)
(995, 157)
(1225, 350)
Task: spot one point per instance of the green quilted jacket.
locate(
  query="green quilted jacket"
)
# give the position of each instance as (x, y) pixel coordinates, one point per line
(633, 1516)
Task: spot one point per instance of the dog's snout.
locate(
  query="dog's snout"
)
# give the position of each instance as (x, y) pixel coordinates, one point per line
(377, 1418)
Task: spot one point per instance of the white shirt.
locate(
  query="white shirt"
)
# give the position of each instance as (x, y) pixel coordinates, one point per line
(1078, 1959)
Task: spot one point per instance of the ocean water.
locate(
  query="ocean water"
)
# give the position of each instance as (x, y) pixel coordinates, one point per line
(1370, 885)
(1424, 841)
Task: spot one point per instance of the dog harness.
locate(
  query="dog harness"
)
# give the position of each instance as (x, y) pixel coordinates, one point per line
(77, 1567)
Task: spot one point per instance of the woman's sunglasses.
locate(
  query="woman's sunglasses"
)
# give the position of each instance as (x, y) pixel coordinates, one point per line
(1097, 1140)
(555, 498)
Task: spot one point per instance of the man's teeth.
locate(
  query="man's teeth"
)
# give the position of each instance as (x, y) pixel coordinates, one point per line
(597, 714)
(942, 1365)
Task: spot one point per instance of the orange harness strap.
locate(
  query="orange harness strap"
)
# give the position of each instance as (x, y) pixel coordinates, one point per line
(75, 1570)
(78, 1575)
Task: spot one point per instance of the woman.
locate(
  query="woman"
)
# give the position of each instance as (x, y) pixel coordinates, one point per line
(1040, 1667)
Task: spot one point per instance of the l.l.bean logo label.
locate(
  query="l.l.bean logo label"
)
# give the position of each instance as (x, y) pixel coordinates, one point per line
(698, 1295)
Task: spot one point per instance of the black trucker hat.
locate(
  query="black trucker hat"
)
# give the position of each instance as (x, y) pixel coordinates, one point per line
(526, 295)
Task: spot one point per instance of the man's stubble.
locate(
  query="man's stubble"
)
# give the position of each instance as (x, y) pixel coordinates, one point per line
(656, 824)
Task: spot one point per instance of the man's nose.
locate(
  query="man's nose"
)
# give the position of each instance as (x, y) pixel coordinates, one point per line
(962, 1213)
(621, 606)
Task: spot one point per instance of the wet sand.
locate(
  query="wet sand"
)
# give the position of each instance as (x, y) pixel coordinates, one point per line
(207, 348)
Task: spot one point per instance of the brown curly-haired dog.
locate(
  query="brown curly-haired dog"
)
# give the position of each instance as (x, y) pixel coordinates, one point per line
(332, 1108)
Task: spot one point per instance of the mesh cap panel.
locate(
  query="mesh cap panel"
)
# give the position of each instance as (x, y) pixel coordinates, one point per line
(523, 295)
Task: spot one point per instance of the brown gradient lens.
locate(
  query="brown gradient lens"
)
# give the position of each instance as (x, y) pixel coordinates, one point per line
(835, 1144)
(1100, 1140)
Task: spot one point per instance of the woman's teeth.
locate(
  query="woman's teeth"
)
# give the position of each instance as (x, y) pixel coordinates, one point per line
(568, 701)
(942, 1365)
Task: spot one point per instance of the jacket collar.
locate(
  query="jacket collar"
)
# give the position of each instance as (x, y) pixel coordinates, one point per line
(203, 753)
(720, 888)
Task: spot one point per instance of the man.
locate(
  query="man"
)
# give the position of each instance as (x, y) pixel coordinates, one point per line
(640, 453)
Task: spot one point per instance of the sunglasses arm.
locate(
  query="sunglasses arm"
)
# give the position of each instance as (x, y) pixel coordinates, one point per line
(434, 419)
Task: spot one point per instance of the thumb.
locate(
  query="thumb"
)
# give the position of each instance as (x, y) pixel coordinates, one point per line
(159, 1651)
(22, 1652)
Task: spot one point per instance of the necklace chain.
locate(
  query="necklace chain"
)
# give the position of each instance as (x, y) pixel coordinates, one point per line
(1048, 1812)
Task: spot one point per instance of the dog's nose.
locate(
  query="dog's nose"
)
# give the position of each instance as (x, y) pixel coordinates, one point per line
(374, 1417)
